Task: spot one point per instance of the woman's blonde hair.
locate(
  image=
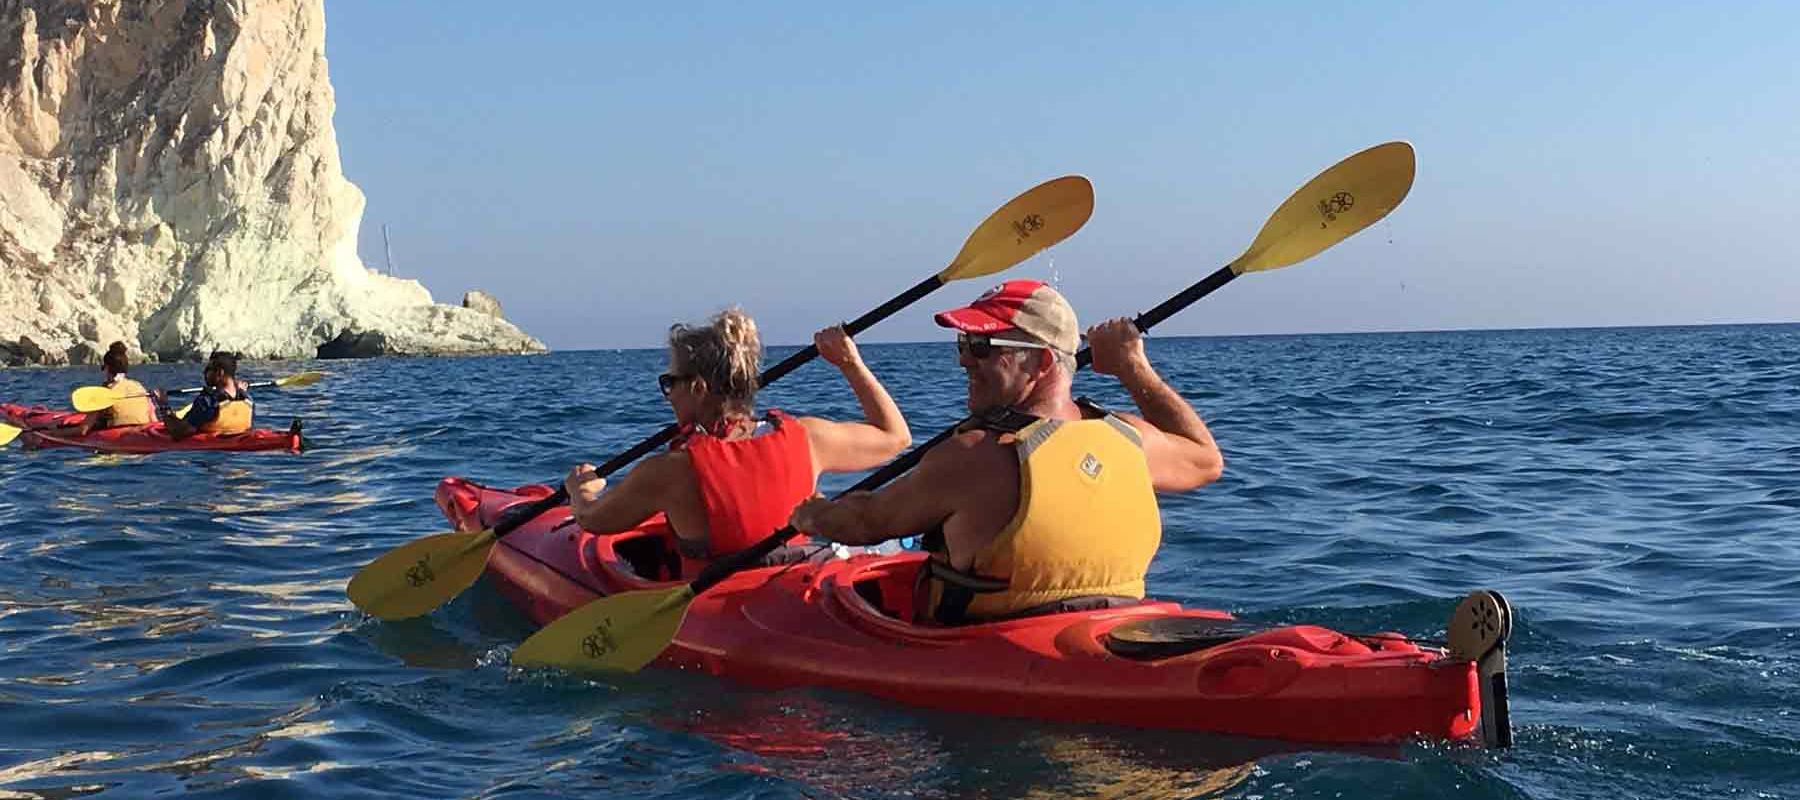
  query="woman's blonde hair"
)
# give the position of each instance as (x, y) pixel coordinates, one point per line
(726, 352)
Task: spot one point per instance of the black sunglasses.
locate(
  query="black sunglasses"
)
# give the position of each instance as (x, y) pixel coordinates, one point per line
(666, 381)
(981, 345)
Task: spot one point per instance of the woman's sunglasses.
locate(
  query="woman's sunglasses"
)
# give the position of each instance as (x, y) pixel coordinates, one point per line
(981, 345)
(666, 382)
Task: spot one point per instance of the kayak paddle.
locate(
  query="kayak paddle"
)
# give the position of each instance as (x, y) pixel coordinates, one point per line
(97, 398)
(424, 574)
(625, 632)
(9, 433)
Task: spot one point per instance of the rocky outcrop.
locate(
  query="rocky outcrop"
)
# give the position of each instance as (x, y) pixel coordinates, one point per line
(169, 177)
(478, 300)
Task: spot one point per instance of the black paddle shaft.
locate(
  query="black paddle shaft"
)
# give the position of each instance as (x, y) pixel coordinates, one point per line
(256, 385)
(723, 568)
(514, 518)
(1169, 307)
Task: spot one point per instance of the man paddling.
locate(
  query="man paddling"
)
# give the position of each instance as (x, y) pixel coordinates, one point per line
(222, 407)
(1044, 504)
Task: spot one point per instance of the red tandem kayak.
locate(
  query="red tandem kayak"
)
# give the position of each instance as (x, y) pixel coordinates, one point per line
(137, 438)
(844, 624)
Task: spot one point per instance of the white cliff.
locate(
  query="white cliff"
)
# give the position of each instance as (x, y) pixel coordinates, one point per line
(169, 177)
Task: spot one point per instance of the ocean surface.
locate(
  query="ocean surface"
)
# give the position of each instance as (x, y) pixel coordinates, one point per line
(176, 624)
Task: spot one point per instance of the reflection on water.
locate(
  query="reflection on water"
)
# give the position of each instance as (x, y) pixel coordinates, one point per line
(201, 768)
(46, 767)
(828, 742)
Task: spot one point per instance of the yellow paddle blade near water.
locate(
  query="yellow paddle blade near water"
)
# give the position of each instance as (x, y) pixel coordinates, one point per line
(421, 575)
(620, 633)
(1354, 194)
(1042, 216)
(9, 433)
(88, 399)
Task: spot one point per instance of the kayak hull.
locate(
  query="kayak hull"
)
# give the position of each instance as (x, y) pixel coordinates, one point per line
(136, 439)
(842, 624)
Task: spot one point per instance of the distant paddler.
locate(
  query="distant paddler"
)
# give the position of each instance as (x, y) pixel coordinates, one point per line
(134, 407)
(126, 404)
(222, 406)
(214, 412)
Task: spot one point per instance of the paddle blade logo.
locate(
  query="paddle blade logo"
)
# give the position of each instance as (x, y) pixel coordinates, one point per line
(600, 643)
(1026, 226)
(1332, 206)
(420, 573)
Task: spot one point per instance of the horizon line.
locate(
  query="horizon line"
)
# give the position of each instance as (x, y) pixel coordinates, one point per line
(1295, 333)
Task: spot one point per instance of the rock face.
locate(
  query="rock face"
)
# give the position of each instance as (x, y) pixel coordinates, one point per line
(483, 302)
(169, 177)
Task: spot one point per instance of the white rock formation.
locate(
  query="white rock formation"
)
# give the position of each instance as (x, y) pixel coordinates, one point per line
(483, 302)
(169, 176)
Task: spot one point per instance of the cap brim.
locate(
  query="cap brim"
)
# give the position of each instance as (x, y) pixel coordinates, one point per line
(972, 320)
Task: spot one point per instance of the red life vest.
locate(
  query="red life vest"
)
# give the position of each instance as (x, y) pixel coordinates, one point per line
(750, 487)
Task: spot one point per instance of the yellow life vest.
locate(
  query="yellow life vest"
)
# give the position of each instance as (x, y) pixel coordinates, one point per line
(234, 417)
(138, 410)
(1087, 523)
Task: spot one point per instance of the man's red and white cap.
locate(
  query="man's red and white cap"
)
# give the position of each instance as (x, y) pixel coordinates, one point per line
(1025, 305)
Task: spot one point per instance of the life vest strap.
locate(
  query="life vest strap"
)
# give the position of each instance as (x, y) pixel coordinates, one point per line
(957, 591)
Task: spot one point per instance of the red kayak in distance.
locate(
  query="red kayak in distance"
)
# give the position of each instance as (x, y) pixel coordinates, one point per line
(846, 624)
(137, 439)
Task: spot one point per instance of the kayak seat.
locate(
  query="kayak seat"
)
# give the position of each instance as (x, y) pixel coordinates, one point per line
(653, 558)
(871, 591)
(1166, 637)
(657, 558)
(889, 591)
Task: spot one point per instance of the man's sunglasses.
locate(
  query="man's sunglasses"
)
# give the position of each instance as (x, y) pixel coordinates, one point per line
(981, 345)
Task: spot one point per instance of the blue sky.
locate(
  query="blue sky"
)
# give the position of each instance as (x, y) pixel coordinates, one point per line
(606, 170)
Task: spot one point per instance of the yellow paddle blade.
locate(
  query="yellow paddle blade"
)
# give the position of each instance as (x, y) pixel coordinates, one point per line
(1354, 194)
(302, 379)
(93, 398)
(412, 580)
(621, 633)
(1044, 215)
(9, 433)
(182, 411)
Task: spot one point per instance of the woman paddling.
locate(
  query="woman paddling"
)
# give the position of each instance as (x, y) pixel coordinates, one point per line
(134, 407)
(731, 477)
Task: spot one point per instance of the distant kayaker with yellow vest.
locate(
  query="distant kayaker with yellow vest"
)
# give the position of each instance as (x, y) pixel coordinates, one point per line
(135, 406)
(224, 406)
(1045, 504)
(731, 478)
